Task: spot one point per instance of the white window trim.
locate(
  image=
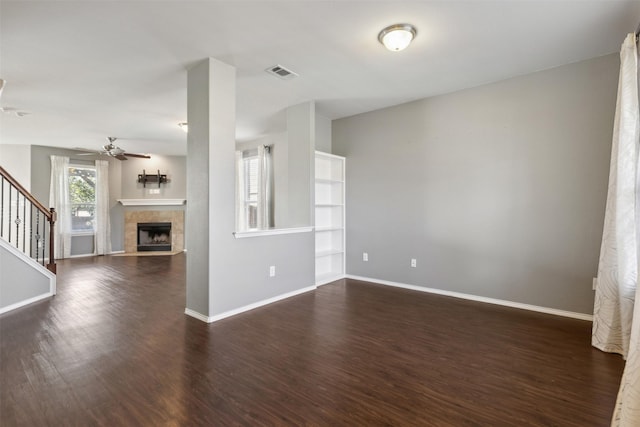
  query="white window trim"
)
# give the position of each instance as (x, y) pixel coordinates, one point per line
(80, 233)
(271, 232)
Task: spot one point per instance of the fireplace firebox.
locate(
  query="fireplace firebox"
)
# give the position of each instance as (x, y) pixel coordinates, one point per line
(154, 236)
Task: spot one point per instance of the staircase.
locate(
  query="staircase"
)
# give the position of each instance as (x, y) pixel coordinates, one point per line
(27, 263)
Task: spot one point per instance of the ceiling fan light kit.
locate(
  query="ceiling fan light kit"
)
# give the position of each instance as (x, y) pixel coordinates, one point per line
(112, 150)
(397, 37)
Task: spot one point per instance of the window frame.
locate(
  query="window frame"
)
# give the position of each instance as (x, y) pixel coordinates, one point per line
(77, 232)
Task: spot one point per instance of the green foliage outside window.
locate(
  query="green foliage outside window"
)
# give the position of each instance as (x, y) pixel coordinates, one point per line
(82, 185)
(82, 196)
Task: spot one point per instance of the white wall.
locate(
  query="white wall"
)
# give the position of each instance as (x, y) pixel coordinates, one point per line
(16, 159)
(498, 191)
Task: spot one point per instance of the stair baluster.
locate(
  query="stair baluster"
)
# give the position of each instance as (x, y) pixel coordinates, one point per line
(10, 216)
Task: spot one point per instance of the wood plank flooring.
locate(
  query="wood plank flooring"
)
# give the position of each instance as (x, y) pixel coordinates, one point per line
(114, 348)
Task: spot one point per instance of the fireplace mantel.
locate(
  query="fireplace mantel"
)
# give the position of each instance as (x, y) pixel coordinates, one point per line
(152, 202)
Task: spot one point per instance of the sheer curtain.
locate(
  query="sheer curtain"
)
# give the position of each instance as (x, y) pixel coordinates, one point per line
(265, 187)
(241, 220)
(102, 239)
(59, 199)
(616, 319)
(254, 189)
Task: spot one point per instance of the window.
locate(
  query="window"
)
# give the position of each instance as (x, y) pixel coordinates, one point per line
(250, 190)
(82, 197)
(254, 189)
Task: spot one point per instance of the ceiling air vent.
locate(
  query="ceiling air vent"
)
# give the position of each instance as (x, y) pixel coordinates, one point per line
(281, 72)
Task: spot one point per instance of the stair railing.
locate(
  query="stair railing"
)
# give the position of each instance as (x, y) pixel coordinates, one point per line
(23, 221)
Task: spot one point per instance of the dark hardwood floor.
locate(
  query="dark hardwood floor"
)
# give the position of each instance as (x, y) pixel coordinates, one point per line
(114, 348)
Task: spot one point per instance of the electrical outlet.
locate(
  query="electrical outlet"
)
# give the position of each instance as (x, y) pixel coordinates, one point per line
(594, 283)
(365, 256)
(414, 263)
(272, 271)
(154, 191)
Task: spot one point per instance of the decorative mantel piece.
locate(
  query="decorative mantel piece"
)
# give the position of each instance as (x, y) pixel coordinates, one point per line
(152, 202)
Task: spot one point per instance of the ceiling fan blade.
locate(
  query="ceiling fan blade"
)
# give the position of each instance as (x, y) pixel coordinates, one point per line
(87, 151)
(111, 150)
(140, 156)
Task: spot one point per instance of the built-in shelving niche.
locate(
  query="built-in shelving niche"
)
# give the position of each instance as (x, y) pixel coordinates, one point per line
(329, 217)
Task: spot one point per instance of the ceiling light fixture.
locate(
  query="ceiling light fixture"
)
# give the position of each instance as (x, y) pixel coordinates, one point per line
(397, 37)
(184, 126)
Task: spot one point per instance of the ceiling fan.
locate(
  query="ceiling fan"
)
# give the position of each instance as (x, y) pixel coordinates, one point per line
(113, 150)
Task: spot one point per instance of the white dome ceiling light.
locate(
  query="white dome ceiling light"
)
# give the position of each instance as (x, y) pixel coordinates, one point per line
(397, 37)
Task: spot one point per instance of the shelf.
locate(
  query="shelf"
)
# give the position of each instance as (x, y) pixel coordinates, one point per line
(329, 217)
(321, 229)
(152, 202)
(329, 253)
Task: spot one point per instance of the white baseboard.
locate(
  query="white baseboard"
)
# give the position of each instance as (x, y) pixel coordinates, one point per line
(197, 315)
(546, 310)
(26, 302)
(82, 255)
(210, 319)
(92, 254)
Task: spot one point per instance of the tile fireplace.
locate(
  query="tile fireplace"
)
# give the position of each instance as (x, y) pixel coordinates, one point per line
(153, 230)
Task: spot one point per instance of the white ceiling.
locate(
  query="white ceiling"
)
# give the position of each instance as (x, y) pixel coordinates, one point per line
(84, 70)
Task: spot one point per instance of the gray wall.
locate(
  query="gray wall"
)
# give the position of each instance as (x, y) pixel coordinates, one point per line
(498, 191)
(123, 184)
(301, 129)
(224, 273)
(323, 134)
(175, 167)
(19, 281)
